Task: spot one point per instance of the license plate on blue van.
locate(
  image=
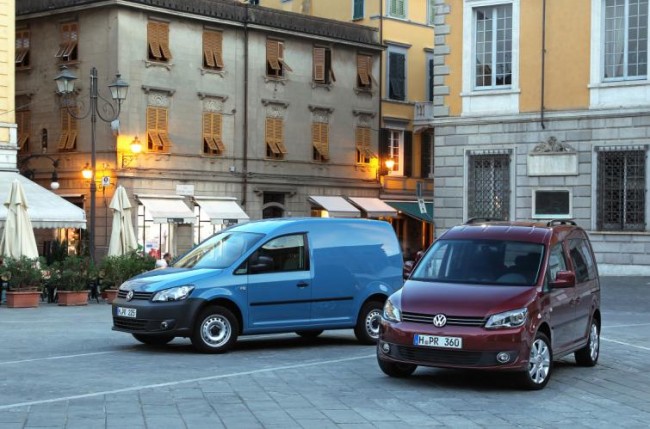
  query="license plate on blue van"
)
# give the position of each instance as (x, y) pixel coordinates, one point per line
(438, 341)
(126, 312)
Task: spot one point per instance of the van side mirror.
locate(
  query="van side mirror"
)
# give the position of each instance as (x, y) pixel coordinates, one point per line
(564, 280)
(261, 264)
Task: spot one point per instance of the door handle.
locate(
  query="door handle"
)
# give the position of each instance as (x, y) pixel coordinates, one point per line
(302, 285)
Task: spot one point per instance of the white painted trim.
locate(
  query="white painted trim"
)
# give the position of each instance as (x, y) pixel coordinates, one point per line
(499, 101)
(533, 205)
(624, 93)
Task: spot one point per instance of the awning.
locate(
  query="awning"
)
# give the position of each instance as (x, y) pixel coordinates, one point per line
(167, 209)
(374, 207)
(335, 206)
(46, 209)
(412, 209)
(222, 210)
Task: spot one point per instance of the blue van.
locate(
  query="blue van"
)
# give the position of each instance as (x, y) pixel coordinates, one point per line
(300, 275)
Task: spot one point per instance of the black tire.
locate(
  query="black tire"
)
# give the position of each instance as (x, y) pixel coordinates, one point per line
(310, 334)
(153, 339)
(588, 355)
(215, 330)
(367, 328)
(540, 364)
(395, 369)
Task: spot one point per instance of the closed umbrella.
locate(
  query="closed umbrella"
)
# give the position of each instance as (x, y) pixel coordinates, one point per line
(122, 236)
(18, 236)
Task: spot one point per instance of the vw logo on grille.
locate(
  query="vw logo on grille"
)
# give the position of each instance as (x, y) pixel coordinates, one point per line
(439, 320)
(129, 296)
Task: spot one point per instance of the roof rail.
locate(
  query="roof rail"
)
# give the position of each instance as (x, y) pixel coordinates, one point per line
(482, 219)
(554, 222)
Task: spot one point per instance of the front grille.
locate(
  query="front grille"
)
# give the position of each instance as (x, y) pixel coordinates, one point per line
(146, 296)
(436, 356)
(451, 320)
(131, 324)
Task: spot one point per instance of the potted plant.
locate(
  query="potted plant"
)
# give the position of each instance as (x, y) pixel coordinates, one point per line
(23, 276)
(115, 270)
(71, 277)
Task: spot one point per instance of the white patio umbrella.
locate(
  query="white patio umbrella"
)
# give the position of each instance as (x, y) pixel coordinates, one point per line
(122, 236)
(18, 235)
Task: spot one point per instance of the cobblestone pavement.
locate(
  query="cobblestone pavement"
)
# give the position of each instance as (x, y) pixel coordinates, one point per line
(63, 367)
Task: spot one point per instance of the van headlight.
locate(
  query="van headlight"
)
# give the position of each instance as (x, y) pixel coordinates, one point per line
(507, 319)
(391, 312)
(173, 294)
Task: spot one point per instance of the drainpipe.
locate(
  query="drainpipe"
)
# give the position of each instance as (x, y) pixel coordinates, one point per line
(381, 66)
(245, 133)
(541, 118)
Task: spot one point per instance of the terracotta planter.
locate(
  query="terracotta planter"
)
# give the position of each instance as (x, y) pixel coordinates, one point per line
(67, 297)
(23, 299)
(110, 295)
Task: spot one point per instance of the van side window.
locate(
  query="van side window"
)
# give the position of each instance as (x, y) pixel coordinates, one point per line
(582, 260)
(286, 253)
(556, 262)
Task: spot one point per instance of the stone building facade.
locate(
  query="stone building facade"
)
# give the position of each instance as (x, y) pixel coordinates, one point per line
(547, 119)
(256, 109)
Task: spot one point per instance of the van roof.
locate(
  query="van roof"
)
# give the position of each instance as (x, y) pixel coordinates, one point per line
(515, 231)
(266, 226)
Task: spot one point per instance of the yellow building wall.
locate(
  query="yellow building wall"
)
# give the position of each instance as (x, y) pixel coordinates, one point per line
(454, 60)
(7, 55)
(568, 35)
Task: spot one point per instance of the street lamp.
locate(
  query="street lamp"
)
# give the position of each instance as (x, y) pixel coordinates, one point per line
(119, 88)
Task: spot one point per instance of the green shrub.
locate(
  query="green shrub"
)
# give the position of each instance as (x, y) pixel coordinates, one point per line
(115, 270)
(22, 273)
(73, 273)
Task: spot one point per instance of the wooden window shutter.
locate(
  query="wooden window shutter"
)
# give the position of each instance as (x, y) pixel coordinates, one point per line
(163, 39)
(281, 56)
(23, 120)
(272, 54)
(208, 49)
(207, 132)
(279, 135)
(63, 139)
(363, 70)
(162, 127)
(315, 136)
(153, 40)
(217, 126)
(270, 135)
(324, 141)
(218, 49)
(319, 64)
(72, 129)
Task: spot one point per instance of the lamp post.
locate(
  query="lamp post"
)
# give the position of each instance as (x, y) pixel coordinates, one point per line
(119, 88)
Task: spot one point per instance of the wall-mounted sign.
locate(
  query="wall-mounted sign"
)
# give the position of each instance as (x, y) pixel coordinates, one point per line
(175, 220)
(186, 190)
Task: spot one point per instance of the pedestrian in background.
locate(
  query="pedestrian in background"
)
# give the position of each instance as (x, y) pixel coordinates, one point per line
(168, 258)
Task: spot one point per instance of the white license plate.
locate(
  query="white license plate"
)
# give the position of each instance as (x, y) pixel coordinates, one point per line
(437, 341)
(126, 312)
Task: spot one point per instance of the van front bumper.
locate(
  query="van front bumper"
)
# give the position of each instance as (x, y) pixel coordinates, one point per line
(173, 318)
(505, 350)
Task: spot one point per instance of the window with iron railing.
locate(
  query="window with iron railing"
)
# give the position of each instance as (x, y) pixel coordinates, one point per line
(488, 186)
(621, 190)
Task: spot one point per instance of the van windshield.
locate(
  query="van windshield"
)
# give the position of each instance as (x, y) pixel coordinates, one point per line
(490, 262)
(219, 251)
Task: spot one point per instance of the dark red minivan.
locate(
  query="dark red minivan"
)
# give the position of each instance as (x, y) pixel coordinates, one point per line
(505, 296)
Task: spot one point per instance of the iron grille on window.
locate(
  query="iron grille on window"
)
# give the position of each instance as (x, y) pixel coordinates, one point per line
(489, 186)
(621, 190)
